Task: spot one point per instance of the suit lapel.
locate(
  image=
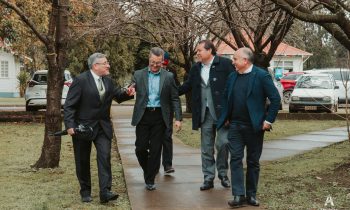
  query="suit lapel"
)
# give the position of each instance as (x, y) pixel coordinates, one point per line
(234, 77)
(92, 83)
(162, 79)
(251, 81)
(145, 79)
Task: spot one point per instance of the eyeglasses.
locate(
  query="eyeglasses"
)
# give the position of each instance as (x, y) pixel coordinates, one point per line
(104, 63)
(152, 63)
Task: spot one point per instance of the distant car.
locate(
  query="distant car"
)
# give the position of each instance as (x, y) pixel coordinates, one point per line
(314, 92)
(341, 76)
(35, 94)
(288, 82)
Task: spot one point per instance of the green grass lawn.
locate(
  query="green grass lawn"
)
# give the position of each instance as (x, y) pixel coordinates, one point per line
(304, 181)
(25, 188)
(281, 128)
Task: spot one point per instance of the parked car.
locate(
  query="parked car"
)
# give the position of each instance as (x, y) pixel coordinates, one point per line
(35, 94)
(314, 92)
(340, 76)
(288, 82)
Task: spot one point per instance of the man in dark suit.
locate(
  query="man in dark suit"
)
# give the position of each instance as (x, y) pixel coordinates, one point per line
(245, 113)
(207, 79)
(88, 102)
(156, 97)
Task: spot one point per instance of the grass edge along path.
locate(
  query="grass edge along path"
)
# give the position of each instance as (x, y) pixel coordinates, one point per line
(25, 188)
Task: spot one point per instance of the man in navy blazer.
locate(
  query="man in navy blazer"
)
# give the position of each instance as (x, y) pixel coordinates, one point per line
(246, 116)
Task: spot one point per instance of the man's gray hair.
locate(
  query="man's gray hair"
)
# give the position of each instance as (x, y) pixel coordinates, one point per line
(157, 51)
(248, 54)
(93, 59)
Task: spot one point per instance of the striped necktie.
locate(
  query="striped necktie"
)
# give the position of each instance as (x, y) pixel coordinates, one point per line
(101, 90)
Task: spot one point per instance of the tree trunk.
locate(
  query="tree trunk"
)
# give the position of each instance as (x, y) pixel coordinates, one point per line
(56, 56)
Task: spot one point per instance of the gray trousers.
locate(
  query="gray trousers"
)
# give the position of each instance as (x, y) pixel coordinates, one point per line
(208, 135)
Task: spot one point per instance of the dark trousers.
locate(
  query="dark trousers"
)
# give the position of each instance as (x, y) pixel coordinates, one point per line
(167, 159)
(150, 134)
(239, 137)
(82, 151)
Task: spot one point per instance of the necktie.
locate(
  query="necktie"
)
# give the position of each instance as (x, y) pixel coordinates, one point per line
(101, 90)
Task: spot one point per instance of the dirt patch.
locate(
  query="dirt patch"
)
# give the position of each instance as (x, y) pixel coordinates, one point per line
(339, 176)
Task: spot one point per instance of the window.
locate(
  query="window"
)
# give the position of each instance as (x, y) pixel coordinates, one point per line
(287, 66)
(4, 69)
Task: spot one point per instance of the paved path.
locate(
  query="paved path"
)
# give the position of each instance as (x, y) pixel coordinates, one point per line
(181, 191)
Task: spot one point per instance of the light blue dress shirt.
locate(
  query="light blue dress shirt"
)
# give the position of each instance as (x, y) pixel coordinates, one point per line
(153, 89)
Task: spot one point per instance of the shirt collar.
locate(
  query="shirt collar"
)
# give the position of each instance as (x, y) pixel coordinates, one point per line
(96, 77)
(155, 73)
(209, 64)
(248, 70)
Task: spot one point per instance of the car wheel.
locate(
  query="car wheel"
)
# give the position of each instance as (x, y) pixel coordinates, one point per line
(31, 108)
(333, 109)
(286, 96)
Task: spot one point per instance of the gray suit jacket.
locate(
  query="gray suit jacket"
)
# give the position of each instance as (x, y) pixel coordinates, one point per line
(169, 97)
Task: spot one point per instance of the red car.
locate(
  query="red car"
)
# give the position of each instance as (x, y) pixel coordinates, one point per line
(288, 82)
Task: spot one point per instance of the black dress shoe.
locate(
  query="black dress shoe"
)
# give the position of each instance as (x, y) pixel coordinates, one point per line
(168, 170)
(251, 200)
(207, 185)
(86, 198)
(151, 187)
(108, 196)
(237, 201)
(225, 182)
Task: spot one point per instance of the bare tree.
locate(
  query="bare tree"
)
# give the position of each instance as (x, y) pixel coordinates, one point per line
(333, 15)
(54, 40)
(258, 24)
(167, 24)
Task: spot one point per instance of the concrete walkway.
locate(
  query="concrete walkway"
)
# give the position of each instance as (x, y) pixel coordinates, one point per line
(181, 190)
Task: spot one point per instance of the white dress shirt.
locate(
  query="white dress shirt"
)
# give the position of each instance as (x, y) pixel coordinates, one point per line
(205, 70)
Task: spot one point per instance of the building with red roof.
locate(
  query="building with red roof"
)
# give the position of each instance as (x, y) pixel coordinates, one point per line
(287, 57)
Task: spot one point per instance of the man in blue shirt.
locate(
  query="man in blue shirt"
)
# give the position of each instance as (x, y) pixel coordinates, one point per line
(156, 97)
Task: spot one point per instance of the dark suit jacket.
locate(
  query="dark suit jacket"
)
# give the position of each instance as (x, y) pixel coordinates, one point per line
(83, 104)
(169, 98)
(260, 87)
(219, 72)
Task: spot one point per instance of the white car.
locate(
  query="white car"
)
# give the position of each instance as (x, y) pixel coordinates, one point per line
(341, 76)
(314, 92)
(35, 94)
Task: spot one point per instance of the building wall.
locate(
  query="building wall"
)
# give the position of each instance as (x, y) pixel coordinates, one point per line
(9, 84)
(294, 63)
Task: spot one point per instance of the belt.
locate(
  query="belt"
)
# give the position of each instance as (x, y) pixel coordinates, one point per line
(153, 109)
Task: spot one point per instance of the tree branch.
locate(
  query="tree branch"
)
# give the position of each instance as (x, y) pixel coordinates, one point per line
(25, 19)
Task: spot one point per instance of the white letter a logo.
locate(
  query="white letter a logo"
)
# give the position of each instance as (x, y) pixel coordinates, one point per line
(329, 201)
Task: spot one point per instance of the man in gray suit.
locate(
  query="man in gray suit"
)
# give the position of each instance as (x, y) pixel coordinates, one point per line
(206, 81)
(156, 97)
